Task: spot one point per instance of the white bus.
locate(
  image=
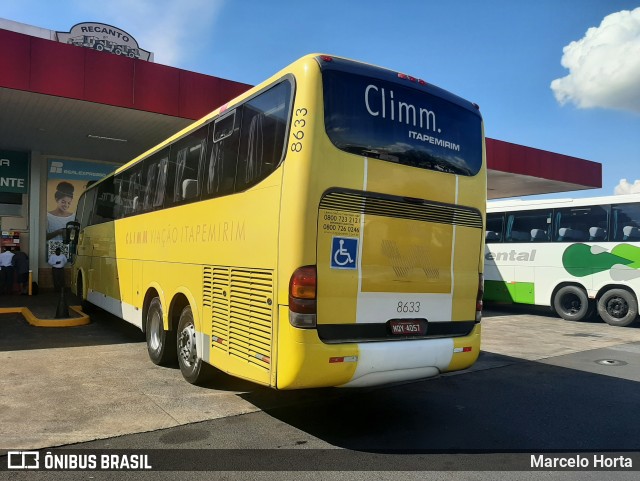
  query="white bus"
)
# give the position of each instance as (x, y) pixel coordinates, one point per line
(574, 255)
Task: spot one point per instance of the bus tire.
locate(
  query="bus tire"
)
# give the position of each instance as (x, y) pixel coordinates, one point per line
(193, 368)
(572, 303)
(161, 344)
(618, 307)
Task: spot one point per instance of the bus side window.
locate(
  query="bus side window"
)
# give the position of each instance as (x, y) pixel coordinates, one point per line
(150, 186)
(220, 165)
(581, 224)
(181, 180)
(83, 215)
(529, 226)
(255, 156)
(105, 202)
(133, 191)
(87, 211)
(118, 188)
(153, 187)
(158, 198)
(128, 192)
(181, 162)
(495, 223)
(263, 138)
(80, 208)
(625, 222)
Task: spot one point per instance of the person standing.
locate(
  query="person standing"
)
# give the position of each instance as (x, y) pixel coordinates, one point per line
(57, 262)
(6, 272)
(21, 264)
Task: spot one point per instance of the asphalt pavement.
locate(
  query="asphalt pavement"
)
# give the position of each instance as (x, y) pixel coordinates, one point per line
(541, 384)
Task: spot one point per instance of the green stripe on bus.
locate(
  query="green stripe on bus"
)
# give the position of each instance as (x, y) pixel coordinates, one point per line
(500, 291)
(582, 260)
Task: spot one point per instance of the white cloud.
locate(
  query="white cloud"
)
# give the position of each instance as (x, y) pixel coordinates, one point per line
(604, 66)
(171, 29)
(625, 187)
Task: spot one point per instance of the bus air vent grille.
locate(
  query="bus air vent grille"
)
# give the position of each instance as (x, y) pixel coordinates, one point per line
(239, 303)
(251, 315)
(215, 301)
(384, 205)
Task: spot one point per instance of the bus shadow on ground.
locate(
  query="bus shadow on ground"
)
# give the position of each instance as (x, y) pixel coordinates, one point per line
(16, 334)
(525, 406)
(498, 309)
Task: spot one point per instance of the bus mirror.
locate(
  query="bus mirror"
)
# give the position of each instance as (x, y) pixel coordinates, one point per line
(71, 233)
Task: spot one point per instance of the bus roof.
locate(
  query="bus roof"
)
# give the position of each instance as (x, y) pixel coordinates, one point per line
(369, 70)
(340, 63)
(519, 204)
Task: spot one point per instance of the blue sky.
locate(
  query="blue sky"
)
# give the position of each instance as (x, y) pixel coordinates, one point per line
(501, 54)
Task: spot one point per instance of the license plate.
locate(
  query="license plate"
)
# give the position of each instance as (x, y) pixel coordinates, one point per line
(408, 327)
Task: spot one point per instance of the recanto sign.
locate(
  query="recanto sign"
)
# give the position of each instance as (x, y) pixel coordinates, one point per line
(104, 38)
(112, 31)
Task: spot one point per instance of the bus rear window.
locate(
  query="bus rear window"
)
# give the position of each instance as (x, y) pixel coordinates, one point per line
(392, 122)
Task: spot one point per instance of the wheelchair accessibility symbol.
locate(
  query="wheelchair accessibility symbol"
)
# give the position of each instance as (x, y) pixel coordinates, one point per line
(344, 253)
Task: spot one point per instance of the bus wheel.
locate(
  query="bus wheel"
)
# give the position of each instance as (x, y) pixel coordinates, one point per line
(192, 367)
(618, 307)
(571, 303)
(161, 344)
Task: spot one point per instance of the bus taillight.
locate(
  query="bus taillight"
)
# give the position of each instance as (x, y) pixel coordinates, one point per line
(479, 297)
(302, 297)
(404, 76)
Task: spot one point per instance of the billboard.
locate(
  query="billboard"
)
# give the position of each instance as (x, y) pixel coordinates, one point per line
(66, 182)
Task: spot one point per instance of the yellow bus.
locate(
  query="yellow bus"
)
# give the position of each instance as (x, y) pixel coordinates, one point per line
(323, 229)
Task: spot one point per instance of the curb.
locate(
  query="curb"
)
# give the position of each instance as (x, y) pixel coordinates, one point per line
(34, 321)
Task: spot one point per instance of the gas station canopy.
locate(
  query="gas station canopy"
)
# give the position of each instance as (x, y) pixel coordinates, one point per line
(65, 100)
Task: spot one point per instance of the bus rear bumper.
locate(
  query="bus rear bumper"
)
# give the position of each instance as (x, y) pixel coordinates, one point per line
(304, 361)
(386, 362)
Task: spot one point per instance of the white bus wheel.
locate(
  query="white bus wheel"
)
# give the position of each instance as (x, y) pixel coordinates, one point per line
(571, 303)
(618, 307)
(193, 368)
(161, 344)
